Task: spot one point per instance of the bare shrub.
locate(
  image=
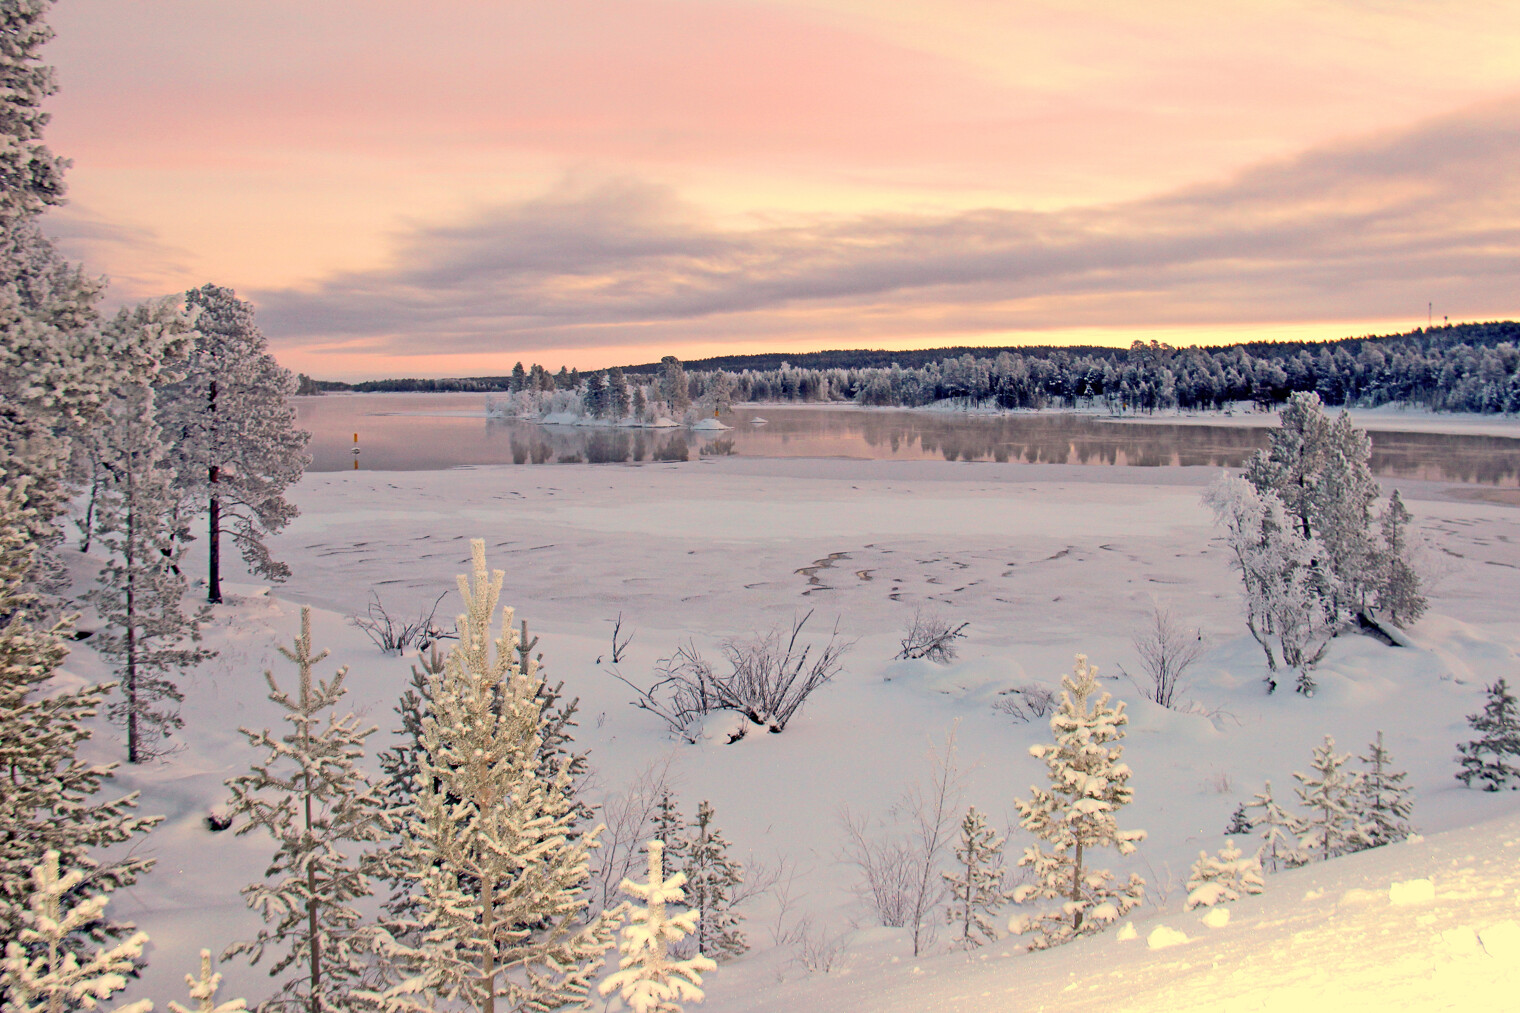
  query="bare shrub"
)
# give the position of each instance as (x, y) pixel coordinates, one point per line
(1038, 700)
(393, 635)
(931, 636)
(1167, 649)
(771, 676)
(619, 641)
(903, 884)
(819, 952)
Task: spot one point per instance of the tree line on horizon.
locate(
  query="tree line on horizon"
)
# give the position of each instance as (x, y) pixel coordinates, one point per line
(1461, 367)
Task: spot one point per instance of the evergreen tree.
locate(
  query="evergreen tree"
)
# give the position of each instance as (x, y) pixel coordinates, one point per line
(1280, 832)
(50, 799)
(203, 992)
(501, 872)
(594, 397)
(1224, 877)
(673, 388)
(147, 634)
(400, 767)
(712, 877)
(311, 797)
(42, 970)
(1383, 799)
(1240, 823)
(617, 393)
(1494, 757)
(233, 430)
(1089, 783)
(647, 979)
(1334, 826)
(669, 828)
(1399, 592)
(976, 884)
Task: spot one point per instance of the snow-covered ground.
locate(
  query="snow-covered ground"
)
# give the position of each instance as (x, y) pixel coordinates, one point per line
(1043, 561)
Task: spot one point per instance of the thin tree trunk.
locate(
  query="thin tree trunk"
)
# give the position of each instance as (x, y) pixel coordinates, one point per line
(131, 687)
(1076, 889)
(214, 535)
(312, 1002)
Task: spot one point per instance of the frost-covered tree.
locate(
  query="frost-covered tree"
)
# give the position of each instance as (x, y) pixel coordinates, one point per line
(139, 594)
(42, 971)
(1227, 876)
(1295, 459)
(673, 387)
(976, 883)
(617, 393)
(203, 992)
(1281, 832)
(648, 979)
(52, 798)
(232, 426)
(1494, 757)
(400, 766)
(501, 870)
(1089, 784)
(312, 798)
(712, 878)
(1384, 801)
(669, 827)
(1334, 825)
(1285, 612)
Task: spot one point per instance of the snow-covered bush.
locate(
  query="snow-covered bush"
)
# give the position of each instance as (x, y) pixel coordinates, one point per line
(1227, 876)
(1089, 783)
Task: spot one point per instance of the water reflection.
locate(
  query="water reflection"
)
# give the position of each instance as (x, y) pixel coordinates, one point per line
(453, 433)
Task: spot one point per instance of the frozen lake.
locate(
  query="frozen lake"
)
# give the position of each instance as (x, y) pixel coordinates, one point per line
(427, 432)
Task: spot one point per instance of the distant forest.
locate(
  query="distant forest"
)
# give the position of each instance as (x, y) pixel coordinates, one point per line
(1457, 367)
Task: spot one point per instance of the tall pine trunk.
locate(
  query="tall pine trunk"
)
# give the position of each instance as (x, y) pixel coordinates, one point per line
(214, 510)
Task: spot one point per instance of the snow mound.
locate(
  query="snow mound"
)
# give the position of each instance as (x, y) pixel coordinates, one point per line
(1127, 933)
(710, 425)
(1502, 941)
(1161, 937)
(1217, 918)
(1414, 891)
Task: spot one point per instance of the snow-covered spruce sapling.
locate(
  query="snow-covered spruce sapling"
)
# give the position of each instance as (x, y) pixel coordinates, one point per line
(1494, 757)
(42, 972)
(313, 799)
(1089, 784)
(1227, 876)
(712, 878)
(1280, 832)
(648, 979)
(203, 992)
(51, 800)
(976, 882)
(237, 448)
(1334, 825)
(1399, 592)
(1240, 822)
(501, 871)
(1384, 801)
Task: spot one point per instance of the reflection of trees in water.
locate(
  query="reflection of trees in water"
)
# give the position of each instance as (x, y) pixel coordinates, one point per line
(577, 445)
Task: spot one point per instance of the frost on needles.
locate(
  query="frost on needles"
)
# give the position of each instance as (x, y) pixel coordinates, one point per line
(1088, 785)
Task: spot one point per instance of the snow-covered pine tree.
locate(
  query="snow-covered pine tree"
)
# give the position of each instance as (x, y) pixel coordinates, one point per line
(1341, 506)
(1384, 802)
(711, 879)
(1227, 876)
(203, 992)
(1398, 594)
(1281, 832)
(233, 430)
(1294, 460)
(617, 393)
(312, 798)
(648, 980)
(399, 765)
(673, 386)
(147, 634)
(50, 801)
(1493, 757)
(1089, 783)
(1333, 826)
(501, 871)
(42, 970)
(976, 883)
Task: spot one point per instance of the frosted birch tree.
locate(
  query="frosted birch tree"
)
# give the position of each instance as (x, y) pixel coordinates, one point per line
(237, 448)
(501, 871)
(312, 798)
(648, 978)
(1089, 784)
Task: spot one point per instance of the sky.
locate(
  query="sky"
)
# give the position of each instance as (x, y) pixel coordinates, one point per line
(446, 189)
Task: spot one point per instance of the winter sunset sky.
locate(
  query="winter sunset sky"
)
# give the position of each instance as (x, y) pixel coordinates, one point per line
(442, 189)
